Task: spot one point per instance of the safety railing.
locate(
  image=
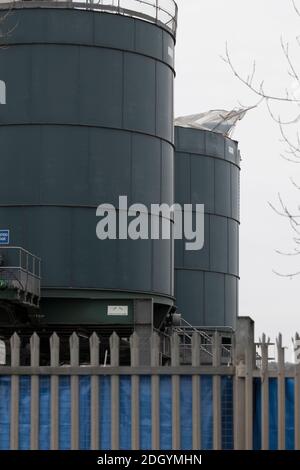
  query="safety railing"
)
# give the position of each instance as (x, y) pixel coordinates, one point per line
(161, 12)
(20, 270)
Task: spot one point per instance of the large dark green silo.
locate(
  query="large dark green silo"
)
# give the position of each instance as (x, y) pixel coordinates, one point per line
(89, 117)
(207, 171)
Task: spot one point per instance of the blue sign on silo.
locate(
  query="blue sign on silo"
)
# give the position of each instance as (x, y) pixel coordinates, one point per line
(4, 237)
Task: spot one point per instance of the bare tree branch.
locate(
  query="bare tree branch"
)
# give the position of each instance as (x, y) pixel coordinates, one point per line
(249, 82)
(290, 275)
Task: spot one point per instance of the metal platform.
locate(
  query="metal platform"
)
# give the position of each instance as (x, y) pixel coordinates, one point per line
(20, 276)
(163, 13)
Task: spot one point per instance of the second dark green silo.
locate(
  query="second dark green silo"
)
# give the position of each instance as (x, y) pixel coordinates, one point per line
(207, 171)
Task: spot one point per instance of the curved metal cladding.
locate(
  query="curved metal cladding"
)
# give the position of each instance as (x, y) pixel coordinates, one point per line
(207, 172)
(89, 117)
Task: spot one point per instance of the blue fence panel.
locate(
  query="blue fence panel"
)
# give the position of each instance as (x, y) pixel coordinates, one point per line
(256, 414)
(273, 416)
(145, 413)
(24, 413)
(206, 412)
(227, 412)
(84, 412)
(186, 412)
(289, 414)
(44, 419)
(105, 413)
(64, 413)
(5, 387)
(165, 412)
(125, 412)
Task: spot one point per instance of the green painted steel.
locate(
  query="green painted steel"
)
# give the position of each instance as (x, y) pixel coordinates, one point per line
(207, 171)
(89, 117)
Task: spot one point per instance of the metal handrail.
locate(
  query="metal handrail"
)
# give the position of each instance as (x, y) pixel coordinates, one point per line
(186, 328)
(164, 13)
(31, 269)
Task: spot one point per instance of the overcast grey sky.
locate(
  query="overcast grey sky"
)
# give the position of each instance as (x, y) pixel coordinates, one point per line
(204, 81)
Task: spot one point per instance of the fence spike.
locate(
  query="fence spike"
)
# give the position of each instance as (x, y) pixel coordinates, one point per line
(54, 349)
(279, 341)
(15, 345)
(94, 405)
(94, 349)
(54, 404)
(74, 349)
(135, 393)
(35, 350)
(281, 393)
(114, 342)
(134, 349)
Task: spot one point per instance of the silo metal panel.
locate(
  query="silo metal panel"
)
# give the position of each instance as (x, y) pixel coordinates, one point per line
(235, 190)
(101, 91)
(139, 93)
(214, 144)
(182, 179)
(18, 186)
(15, 221)
(233, 247)
(179, 253)
(62, 157)
(203, 182)
(222, 188)
(167, 174)
(49, 234)
(218, 244)
(214, 299)
(199, 259)
(134, 263)
(164, 102)
(231, 150)
(148, 40)
(168, 49)
(109, 166)
(189, 140)
(16, 71)
(190, 296)
(114, 31)
(162, 275)
(54, 95)
(146, 166)
(94, 262)
(80, 27)
(19, 21)
(230, 300)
